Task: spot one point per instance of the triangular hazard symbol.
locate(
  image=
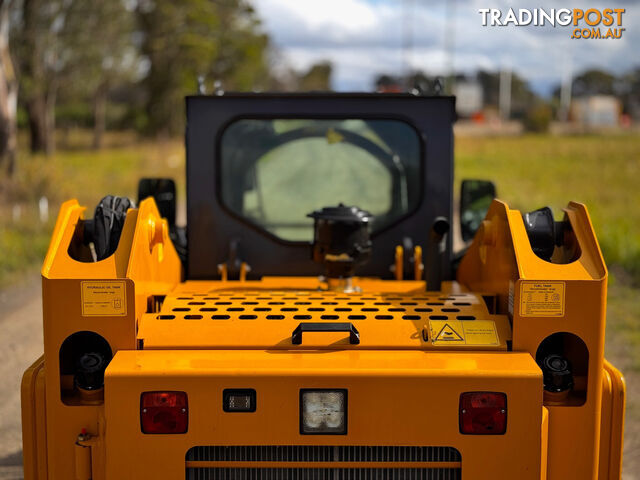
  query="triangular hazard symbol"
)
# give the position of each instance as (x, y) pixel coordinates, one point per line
(448, 334)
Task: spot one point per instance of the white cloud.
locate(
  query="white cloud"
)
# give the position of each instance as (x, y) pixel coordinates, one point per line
(363, 38)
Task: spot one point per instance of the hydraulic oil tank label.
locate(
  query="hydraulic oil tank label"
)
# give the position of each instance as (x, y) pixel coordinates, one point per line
(104, 298)
(463, 332)
(541, 299)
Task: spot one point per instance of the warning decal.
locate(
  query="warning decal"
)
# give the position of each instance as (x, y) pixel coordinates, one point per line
(542, 299)
(104, 298)
(468, 332)
(447, 334)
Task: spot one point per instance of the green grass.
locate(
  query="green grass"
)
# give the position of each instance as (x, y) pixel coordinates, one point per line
(538, 170)
(77, 172)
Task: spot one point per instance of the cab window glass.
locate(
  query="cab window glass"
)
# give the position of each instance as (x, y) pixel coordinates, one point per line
(276, 171)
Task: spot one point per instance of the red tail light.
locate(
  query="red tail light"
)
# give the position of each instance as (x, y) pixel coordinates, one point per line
(483, 413)
(164, 412)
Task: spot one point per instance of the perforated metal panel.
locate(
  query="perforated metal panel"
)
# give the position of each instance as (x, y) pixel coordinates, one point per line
(201, 317)
(314, 306)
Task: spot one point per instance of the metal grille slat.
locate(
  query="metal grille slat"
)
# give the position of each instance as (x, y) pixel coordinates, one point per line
(323, 474)
(317, 454)
(322, 453)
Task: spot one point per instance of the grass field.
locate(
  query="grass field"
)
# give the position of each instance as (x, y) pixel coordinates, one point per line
(601, 171)
(76, 172)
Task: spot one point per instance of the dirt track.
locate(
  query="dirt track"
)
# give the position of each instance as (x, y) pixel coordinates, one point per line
(20, 345)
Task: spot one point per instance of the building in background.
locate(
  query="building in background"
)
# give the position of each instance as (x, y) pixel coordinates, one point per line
(596, 111)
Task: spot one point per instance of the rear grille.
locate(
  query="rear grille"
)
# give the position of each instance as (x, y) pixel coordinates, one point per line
(323, 463)
(324, 474)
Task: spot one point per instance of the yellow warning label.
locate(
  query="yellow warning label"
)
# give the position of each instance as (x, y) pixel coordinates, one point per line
(480, 332)
(542, 299)
(104, 298)
(468, 332)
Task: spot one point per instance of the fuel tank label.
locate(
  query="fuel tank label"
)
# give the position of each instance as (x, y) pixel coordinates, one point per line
(463, 332)
(541, 299)
(104, 298)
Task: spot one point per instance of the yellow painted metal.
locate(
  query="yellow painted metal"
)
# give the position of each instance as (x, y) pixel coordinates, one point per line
(612, 423)
(418, 266)
(210, 315)
(34, 434)
(395, 398)
(398, 266)
(403, 388)
(499, 261)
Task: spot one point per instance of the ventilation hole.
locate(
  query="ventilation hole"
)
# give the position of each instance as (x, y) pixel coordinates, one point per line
(408, 303)
(166, 317)
(382, 303)
(438, 317)
(181, 309)
(262, 309)
(302, 317)
(211, 298)
(384, 317)
(435, 303)
(302, 303)
(370, 309)
(275, 317)
(329, 317)
(423, 309)
(356, 317)
(315, 309)
(208, 309)
(397, 309)
(220, 317)
(222, 303)
(450, 309)
(462, 304)
(193, 317)
(235, 309)
(369, 298)
(249, 303)
(328, 303)
(446, 298)
(466, 317)
(343, 309)
(411, 317)
(355, 303)
(185, 298)
(196, 303)
(276, 303)
(289, 309)
(393, 298)
(248, 317)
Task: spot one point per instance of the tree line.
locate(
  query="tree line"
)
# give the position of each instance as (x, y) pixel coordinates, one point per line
(127, 64)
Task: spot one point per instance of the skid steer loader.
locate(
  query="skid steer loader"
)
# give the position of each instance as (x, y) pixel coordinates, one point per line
(314, 321)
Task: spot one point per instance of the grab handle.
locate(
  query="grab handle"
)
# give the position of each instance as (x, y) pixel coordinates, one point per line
(354, 335)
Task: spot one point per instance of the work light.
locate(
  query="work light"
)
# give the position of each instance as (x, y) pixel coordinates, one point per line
(323, 412)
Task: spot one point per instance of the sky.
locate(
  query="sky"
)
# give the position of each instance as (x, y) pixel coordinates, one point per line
(364, 38)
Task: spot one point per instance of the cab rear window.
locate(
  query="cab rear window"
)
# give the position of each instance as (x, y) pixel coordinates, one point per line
(273, 172)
